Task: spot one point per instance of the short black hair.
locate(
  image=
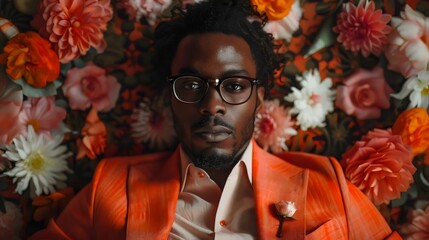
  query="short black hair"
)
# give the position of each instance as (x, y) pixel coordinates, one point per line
(238, 18)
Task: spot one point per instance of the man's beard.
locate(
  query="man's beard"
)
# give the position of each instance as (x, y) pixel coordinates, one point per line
(219, 161)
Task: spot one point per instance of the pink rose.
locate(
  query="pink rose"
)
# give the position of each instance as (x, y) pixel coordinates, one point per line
(10, 103)
(408, 51)
(90, 86)
(364, 94)
(418, 225)
(285, 208)
(380, 165)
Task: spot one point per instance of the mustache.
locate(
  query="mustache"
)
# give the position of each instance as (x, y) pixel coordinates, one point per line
(211, 121)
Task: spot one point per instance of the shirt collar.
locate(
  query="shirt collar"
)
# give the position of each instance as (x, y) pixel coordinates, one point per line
(185, 162)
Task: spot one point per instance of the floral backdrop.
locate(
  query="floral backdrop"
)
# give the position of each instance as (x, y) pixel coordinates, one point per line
(75, 88)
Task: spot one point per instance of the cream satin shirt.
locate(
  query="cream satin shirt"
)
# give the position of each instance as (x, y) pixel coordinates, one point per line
(204, 211)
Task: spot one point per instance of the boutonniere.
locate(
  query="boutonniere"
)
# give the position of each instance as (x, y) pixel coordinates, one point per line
(285, 211)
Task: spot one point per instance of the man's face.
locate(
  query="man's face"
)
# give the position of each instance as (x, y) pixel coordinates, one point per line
(212, 132)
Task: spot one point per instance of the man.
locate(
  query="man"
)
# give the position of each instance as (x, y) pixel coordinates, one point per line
(218, 65)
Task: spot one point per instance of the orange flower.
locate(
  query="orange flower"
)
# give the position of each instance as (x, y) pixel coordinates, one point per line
(94, 140)
(51, 205)
(275, 9)
(413, 126)
(29, 56)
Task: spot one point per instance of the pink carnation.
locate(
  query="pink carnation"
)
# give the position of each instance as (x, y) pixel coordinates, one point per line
(362, 28)
(408, 51)
(10, 103)
(380, 165)
(273, 126)
(91, 86)
(73, 26)
(418, 227)
(42, 114)
(364, 94)
(150, 9)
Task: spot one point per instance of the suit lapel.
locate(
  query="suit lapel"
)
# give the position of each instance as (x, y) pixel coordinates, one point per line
(153, 190)
(274, 180)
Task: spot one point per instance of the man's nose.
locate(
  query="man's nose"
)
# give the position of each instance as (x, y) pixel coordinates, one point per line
(212, 103)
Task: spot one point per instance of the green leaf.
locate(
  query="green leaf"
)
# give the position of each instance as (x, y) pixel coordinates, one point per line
(49, 90)
(325, 38)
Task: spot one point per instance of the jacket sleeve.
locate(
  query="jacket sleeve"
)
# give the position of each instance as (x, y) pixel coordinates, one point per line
(76, 220)
(364, 221)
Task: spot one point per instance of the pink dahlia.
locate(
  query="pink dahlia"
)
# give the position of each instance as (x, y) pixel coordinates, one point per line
(380, 165)
(408, 51)
(418, 225)
(273, 126)
(152, 124)
(362, 28)
(42, 114)
(73, 26)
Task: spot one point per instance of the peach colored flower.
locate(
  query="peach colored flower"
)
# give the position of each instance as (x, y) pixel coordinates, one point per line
(362, 28)
(418, 226)
(285, 27)
(91, 86)
(29, 56)
(408, 51)
(50, 206)
(364, 94)
(42, 114)
(273, 126)
(150, 9)
(380, 165)
(94, 137)
(10, 103)
(11, 222)
(285, 208)
(275, 9)
(413, 127)
(73, 26)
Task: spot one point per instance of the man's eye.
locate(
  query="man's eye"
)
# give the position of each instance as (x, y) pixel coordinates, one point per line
(234, 87)
(191, 86)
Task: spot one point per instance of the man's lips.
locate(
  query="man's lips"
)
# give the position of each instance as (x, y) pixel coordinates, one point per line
(213, 134)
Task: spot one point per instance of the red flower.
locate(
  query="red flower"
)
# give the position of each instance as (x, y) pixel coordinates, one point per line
(363, 29)
(380, 165)
(73, 26)
(29, 56)
(94, 137)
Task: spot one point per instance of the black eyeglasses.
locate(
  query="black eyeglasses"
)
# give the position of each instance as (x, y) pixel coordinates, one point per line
(232, 89)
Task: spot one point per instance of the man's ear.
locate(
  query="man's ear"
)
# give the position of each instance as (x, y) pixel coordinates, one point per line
(260, 95)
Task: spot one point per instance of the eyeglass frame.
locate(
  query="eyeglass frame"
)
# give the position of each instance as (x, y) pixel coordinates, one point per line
(217, 82)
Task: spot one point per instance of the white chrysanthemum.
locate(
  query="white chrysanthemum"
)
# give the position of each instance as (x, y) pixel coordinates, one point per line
(153, 126)
(418, 89)
(313, 101)
(39, 162)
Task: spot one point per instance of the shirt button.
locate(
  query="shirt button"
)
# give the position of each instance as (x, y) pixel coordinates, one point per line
(201, 174)
(223, 223)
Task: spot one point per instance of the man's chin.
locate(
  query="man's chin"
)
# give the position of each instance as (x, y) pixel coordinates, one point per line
(215, 161)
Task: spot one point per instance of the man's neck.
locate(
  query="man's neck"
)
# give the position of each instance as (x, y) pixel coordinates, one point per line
(220, 176)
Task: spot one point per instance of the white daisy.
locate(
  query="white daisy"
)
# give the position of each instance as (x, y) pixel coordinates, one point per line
(153, 125)
(418, 89)
(313, 101)
(39, 162)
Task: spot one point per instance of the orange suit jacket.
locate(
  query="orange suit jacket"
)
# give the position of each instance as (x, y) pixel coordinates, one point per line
(135, 198)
